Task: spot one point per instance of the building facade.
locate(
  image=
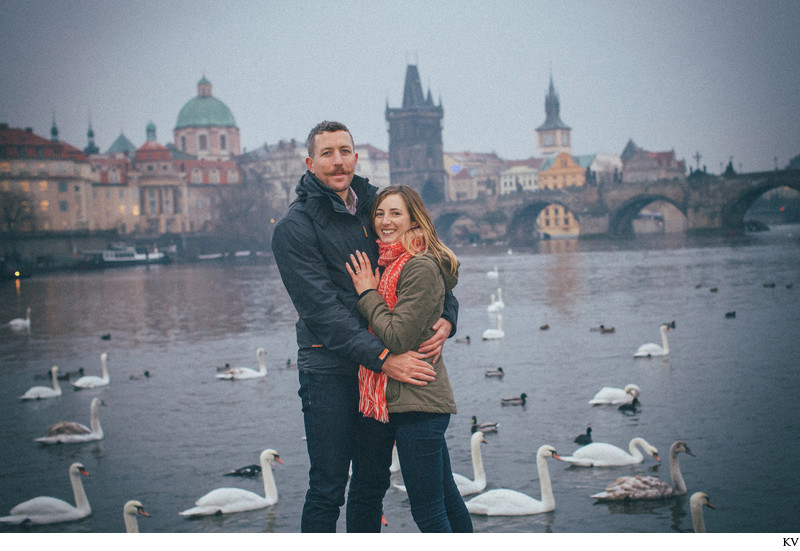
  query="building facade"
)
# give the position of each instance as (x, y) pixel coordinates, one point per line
(205, 128)
(415, 141)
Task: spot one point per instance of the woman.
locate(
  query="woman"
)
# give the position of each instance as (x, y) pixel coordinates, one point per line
(401, 306)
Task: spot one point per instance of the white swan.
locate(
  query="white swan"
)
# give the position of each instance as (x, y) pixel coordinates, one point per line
(494, 273)
(67, 432)
(615, 396)
(652, 349)
(235, 500)
(600, 454)
(39, 392)
(628, 488)
(21, 324)
(497, 304)
(129, 512)
(49, 510)
(498, 333)
(696, 503)
(93, 381)
(465, 485)
(236, 373)
(510, 502)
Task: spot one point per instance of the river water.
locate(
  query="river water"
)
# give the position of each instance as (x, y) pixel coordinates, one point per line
(728, 387)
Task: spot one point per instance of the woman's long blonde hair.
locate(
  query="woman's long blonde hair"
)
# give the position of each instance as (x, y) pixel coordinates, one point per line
(423, 237)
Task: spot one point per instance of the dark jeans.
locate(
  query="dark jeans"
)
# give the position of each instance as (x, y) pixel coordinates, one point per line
(336, 433)
(433, 495)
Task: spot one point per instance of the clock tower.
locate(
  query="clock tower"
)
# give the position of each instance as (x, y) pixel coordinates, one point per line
(553, 137)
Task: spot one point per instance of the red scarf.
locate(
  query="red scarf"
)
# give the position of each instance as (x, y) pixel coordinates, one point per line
(371, 385)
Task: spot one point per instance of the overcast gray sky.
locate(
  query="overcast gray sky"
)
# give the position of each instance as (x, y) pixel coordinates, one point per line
(718, 77)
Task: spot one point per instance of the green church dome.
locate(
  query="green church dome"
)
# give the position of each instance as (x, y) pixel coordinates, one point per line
(204, 110)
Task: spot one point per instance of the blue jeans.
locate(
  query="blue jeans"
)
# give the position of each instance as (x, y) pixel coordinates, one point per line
(433, 495)
(334, 428)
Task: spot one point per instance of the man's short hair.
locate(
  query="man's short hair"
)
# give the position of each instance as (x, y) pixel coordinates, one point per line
(325, 126)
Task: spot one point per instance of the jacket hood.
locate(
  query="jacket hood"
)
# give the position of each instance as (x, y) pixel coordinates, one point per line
(450, 280)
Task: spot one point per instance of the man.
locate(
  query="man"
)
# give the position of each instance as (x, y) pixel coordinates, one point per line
(312, 244)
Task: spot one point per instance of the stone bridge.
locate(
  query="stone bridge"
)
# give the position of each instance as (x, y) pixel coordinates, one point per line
(707, 202)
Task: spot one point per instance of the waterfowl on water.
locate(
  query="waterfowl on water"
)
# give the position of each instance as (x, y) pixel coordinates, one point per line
(467, 486)
(628, 488)
(130, 510)
(93, 381)
(494, 372)
(696, 503)
(497, 333)
(483, 427)
(50, 510)
(248, 471)
(21, 324)
(600, 454)
(42, 392)
(651, 349)
(615, 396)
(584, 439)
(235, 500)
(465, 340)
(237, 373)
(518, 401)
(70, 432)
(502, 502)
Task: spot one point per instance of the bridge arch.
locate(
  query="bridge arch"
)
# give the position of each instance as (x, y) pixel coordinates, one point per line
(523, 228)
(621, 221)
(457, 227)
(733, 212)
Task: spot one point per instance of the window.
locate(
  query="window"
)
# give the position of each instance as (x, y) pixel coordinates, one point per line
(183, 143)
(43, 185)
(63, 206)
(44, 206)
(62, 187)
(223, 142)
(203, 141)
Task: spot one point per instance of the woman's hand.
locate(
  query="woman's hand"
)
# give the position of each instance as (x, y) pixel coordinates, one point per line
(361, 272)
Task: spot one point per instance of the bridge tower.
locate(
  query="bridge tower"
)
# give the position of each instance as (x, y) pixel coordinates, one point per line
(415, 141)
(553, 137)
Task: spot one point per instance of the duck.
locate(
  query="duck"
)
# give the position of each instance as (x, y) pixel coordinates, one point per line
(497, 333)
(494, 372)
(517, 401)
(731, 314)
(41, 392)
(615, 396)
(600, 454)
(629, 488)
(51, 510)
(544, 327)
(290, 364)
(696, 503)
(584, 439)
(21, 324)
(130, 510)
(630, 407)
(503, 501)
(493, 273)
(484, 427)
(222, 501)
(497, 304)
(93, 381)
(237, 373)
(105, 337)
(477, 484)
(465, 340)
(651, 349)
(140, 376)
(68, 375)
(68, 432)
(602, 329)
(247, 471)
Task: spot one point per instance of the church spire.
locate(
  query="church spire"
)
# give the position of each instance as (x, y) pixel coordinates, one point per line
(91, 148)
(551, 108)
(412, 93)
(54, 129)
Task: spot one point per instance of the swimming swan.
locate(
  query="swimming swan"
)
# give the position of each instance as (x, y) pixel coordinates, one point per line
(49, 510)
(649, 487)
(235, 500)
(510, 502)
(696, 503)
(615, 396)
(129, 512)
(93, 381)
(39, 392)
(465, 485)
(600, 454)
(652, 349)
(498, 333)
(21, 324)
(67, 432)
(236, 373)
